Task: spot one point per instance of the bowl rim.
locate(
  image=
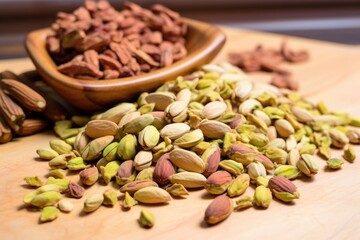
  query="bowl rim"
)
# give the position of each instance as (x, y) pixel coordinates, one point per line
(39, 57)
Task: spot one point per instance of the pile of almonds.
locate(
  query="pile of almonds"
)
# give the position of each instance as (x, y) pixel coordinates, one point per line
(268, 60)
(219, 131)
(98, 42)
(24, 108)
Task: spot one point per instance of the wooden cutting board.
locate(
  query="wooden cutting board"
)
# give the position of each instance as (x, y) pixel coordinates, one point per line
(328, 208)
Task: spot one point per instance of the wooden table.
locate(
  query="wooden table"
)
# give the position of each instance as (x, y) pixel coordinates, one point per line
(329, 206)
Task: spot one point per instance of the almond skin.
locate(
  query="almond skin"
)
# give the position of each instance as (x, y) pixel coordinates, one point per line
(218, 210)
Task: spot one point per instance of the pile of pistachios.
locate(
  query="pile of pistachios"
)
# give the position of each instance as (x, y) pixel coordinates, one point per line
(213, 129)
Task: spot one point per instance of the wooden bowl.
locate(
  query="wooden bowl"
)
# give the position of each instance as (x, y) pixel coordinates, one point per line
(204, 42)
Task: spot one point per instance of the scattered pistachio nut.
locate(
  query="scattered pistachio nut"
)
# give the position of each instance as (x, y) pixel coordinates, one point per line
(146, 219)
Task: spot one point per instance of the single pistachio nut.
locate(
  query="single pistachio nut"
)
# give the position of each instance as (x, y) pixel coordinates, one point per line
(284, 128)
(213, 110)
(49, 214)
(259, 140)
(218, 182)
(261, 180)
(174, 130)
(276, 155)
(262, 196)
(142, 160)
(81, 141)
(147, 219)
(302, 115)
(146, 173)
(256, 169)
(93, 202)
(110, 151)
(152, 195)
(159, 119)
(291, 143)
(101, 128)
(325, 152)
(307, 148)
(288, 171)
(45, 199)
(307, 165)
(264, 117)
(57, 173)
(338, 138)
(77, 163)
(211, 157)
(109, 171)
(94, 149)
(161, 99)
(62, 183)
(60, 146)
(65, 205)
(274, 113)
(89, 176)
(242, 153)
(214, 129)
(293, 157)
(110, 197)
(354, 136)
(149, 137)
(243, 89)
(146, 108)
(248, 106)
(244, 202)
(33, 181)
(80, 120)
(128, 201)
(200, 147)
(60, 161)
(163, 170)
(190, 139)
(283, 189)
(271, 133)
(46, 153)
(126, 119)
(176, 112)
(132, 187)
(258, 122)
(349, 154)
(177, 190)
(125, 173)
(138, 124)
(232, 166)
(219, 209)
(115, 114)
(277, 143)
(75, 190)
(127, 147)
(184, 95)
(334, 163)
(188, 179)
(187, 160)
(239, 185)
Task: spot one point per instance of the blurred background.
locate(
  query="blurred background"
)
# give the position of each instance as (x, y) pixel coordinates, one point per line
(330, 20)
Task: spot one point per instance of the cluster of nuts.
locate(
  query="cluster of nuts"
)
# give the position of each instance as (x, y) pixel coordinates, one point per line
(98, 42)
(268, 59)
(24, 108)
(219, 131)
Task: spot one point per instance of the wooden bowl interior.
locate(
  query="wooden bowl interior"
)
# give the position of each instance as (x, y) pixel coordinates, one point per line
(204, 42)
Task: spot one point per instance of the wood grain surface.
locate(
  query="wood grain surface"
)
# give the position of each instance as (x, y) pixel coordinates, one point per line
(329, 202)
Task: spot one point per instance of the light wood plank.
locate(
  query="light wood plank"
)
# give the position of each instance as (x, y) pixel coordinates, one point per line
(327, 209)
